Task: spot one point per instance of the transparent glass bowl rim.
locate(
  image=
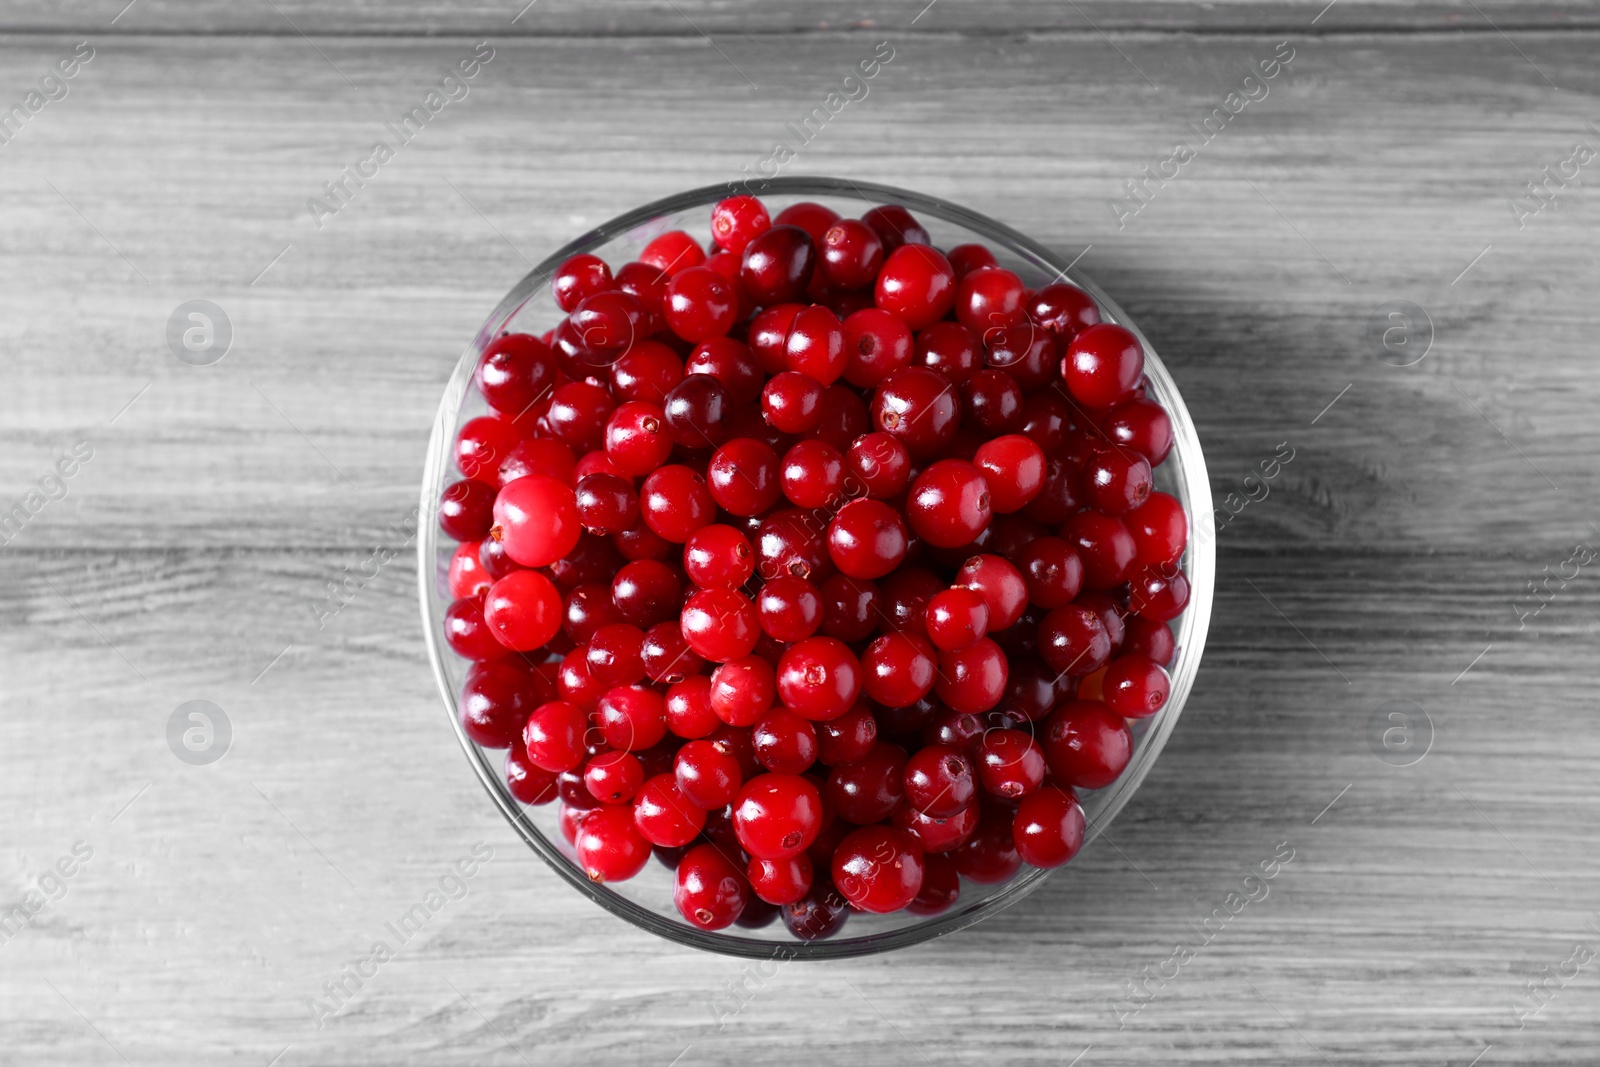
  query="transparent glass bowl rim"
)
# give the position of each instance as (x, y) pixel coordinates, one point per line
(1191, 626)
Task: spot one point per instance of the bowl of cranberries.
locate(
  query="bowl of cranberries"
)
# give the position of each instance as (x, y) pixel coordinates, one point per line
(812, 573)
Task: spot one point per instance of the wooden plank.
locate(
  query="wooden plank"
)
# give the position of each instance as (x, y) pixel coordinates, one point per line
(1386, 562)
(692, 18)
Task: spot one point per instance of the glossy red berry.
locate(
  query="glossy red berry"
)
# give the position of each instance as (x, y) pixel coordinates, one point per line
(899, 669)
(792, 402)
(1010, 763)
(496, 700)
(466, 510)
(1048, 827)
(957, 618)
(989, 856)
(918, 284)
(1135, 686)
(949, 505)
(1064, 310)
(940, 781)
(699, 304)
(664, 816)
(579, 277)
(867, 791)
(950, 350)
(536, 519)
(1086, 744)
(523, 610)
(972, 679)
(895, 226)
(613, 777)
(878, 869)
(609, 846)
(1103, 366)
(673, 252)
(780, 881)
(880, 463)
(675, 502)
(790, 608)
(1105, 547)
(1002, 586)
(554, 736)
(783, 742)
(743, 477)
(1116, 480)
(468, 635)
(812, 474)
(1053, 571)
(819, 678)
(847, 738)
(866, 539)
(737, 221)
(1149, 638)
(1159, 593)
(990, 298)
(632, 718)
(777, 816)
(876, 343)
(708, 774)
(777, 265)
(742, 690)
(1142, 425)
(851, 254)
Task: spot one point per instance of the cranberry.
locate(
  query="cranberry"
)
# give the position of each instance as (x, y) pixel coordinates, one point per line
(950, 350)
(708, 775)
(1026, 352)
(866, 539)
(940, 781)
(918, 284)
(609, 846)
(941, 886)
(539, 456)
(918, 408)
(850, 608)
(709, 890)
(467, 634)
(970, 257)
(784, 742)
(1135, 686)
(729, 362)
(949, 504)
(769, 336)
(1142, 425)
(1116, 480)
(790, 608)
(1048, 827)
(1013, 467)
(1105, 547)
(990, 298)
(1073, 640)
(895, 226)
(852, 254)
(957, 618)
(743, 477)
(696, 413)
(482, 444)
(742, 690)
(646, 592)
(812, 474)
(688, 708)
(672, 252)
(1149, 638)
(579, 277)
(1001, 585)
(1064, 310)
(906, 593)
(606, 325)
(844, 417)
(606, 503)
(778, 265)
(899, 669)
(1010, 764)
(737, 221)
(666, 656)
(523, 610)
(810, 216)
(1103, 366)
(817, 915)
(867, 791)
(648, 284)
(1086, 744)
(699, 304)
(989, 856)
(881, 463)
(1159, 593)
(1053, 571)
(647, 372)
(777, 816)
(792, 542)
(632, 718)
(876, 344)
(819, 678)
(613, 777)
(466, 576)
(720, 624)
(718, 557)
(574, 682)
(553, 736)
(816, 345)
(878, 868)
(529, 784)
(972, 679)
(466, 510)
(578, 414)
(496, 700)
(780, 881)
(792, 402)
(615, 655)
(675, 502)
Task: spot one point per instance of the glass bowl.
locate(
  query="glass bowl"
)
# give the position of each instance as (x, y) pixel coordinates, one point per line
(646, 900)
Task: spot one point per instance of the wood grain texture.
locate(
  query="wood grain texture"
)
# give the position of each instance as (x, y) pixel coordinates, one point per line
(183, 562)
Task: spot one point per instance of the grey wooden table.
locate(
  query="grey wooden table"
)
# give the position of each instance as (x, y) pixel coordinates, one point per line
(207, 506)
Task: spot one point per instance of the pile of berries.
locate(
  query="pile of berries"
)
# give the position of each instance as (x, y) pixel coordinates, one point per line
(820, 563)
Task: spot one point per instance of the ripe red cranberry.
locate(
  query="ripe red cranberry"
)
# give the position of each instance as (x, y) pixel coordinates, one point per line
(539, 456)
(666, 656)
(793, 542)
(466, 510)
(850, 608)
(949, 505)
(579, 277)
(742, 690)
(790, 608)
(1073, 640)
(1116, 480)
(697, 412)
(878, 869)
(743, 477)
(816, 345)
(578, 414)
(792, 402)
(675, 502)
(847, 738)
(648, 284)
(1104, 545)
(737, 221)
(1048, 827)
(1149, 638)
(937, 833)
(957, 618)
(1135, 686)
(844, 417)
(1013, 466)
(466, 576)
(819, 678)
(950, 350)
(866, 539)
(881, 463)
(637, 441)
(817, 915)
(784, 743)
(990, 298)
(673, 252)
(876, 344)
(646, 592)
(972, 679)
(777, 815)
(606, 503)
(899, 669)
(663, 815)
(967, 258)
(918, 284)
(777, 265)
(918, 408)
(615, 655)
(529, 784)
(609, 846)
(906, 593)
(1103, 366)
(769, 336)
(941, 886)
(990, 855)
(699, 304)
(1159, 593)
(523, 610)
(1053, 571)
(496, 700)
(812, 474)
(1142, 425)
(1010, 763)
(1160, 530)
(588, 607)
(553, 736)
(718, 557)
(688, 708)
(720, 624)
(708, 775)
(640, 542)
(632, 718)
(647, 372)
(730, 362)
(482, 445)
(709, 889)
(468, 635)
(940, 781)
(810, 216)
(895, 226)
(1064, 310)
(1001, 585)
(606, 325)
(780, 881)
(1086, 744)
(991, 402)
(867, 791)
(613, 777)
(1025, 352)
(851, 254)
